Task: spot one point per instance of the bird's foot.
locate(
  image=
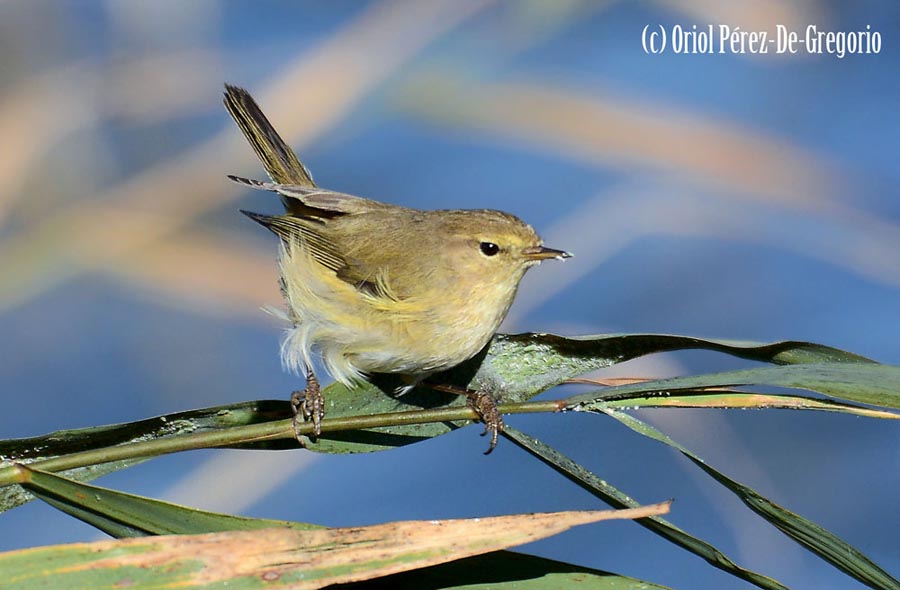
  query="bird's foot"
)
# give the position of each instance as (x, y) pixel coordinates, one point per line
(486, 408)
(308, 404)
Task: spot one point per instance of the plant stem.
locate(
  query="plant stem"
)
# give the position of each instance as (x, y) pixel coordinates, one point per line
(280, 429)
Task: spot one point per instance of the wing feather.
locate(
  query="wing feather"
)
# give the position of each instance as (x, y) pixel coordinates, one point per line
(314, 201)
(304, 231)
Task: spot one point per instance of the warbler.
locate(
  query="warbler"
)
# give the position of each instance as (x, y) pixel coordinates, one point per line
(378, 288)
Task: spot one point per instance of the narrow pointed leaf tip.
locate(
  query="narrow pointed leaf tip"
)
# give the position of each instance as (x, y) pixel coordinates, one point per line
(284, 558)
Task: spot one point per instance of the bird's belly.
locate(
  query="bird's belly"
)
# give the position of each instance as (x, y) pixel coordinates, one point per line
(356, 333)
(432, 341)
(419, 349)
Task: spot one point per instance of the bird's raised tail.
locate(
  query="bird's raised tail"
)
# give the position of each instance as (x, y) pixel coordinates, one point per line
(279, 159)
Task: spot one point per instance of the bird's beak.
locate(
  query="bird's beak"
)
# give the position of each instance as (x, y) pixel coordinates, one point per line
(538, 253)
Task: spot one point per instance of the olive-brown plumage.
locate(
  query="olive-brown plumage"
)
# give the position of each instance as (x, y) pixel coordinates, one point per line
(378, 288)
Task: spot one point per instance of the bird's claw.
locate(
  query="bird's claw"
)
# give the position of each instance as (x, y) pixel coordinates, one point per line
(308, 404)
(486, 408)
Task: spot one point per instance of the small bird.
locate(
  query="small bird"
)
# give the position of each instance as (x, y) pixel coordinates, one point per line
(378, 288)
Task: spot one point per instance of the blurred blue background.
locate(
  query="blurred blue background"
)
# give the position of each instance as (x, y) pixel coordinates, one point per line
(732, 196)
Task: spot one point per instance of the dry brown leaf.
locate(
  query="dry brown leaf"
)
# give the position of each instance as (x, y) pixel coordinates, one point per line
(609, 382)
(288, 558)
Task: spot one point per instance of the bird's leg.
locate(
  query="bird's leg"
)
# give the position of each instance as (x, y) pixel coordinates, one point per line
(486, 408)
(308, 404)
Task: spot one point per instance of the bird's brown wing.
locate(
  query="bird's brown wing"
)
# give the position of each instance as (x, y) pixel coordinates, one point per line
(342, 232)
(354, 248)
(305, 232)
(388, 253)
(309, 208)
(330, 201)
(304, 201)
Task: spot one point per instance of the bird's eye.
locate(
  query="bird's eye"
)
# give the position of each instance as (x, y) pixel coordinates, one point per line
(489, 248)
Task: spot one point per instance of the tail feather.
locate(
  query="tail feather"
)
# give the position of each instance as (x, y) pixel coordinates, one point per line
(279, 159)
(252, 183)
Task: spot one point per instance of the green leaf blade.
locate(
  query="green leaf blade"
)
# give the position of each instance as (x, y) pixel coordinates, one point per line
(863, 383)
(587, 480)
(124, 515)
(815, 538)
